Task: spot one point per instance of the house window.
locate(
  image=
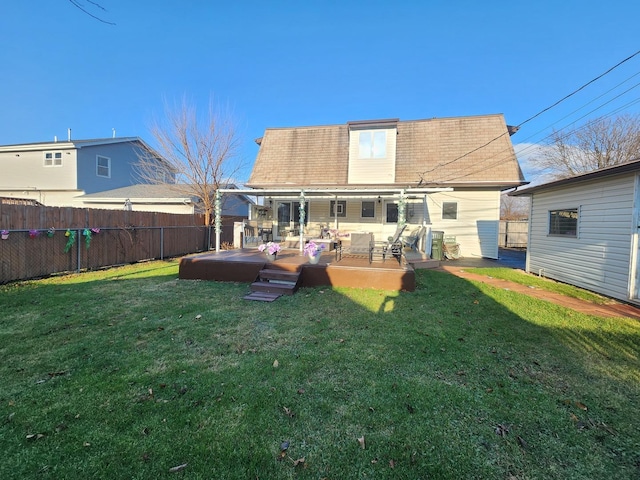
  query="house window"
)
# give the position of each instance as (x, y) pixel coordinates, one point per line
(103, 166)
(564, 222)
(52, 159)
(338, 208)
(392, 213)
(368, 209)
(373, 144)
(449, 210)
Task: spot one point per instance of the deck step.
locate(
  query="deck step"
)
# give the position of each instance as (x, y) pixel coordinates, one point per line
(274, 287)
(273, 283)
(262, 296)
(282, 275)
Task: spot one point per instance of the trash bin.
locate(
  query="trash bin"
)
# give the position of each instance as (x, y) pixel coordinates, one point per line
(436, 244)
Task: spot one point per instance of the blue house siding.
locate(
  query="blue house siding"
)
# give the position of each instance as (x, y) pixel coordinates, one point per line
(124, 157)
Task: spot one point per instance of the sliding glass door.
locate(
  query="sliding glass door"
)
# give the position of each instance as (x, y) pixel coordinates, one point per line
(289, 218)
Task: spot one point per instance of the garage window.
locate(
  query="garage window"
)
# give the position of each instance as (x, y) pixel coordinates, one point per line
(563, 222)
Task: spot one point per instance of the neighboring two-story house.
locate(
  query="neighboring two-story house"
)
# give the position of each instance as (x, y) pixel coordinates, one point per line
(443, 173)
(55, 173)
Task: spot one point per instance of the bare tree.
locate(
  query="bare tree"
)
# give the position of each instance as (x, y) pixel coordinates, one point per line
(514, 208)
(200, 155)
(600, 143)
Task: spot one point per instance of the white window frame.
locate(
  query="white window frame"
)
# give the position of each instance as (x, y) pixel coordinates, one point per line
(386, 212)
(560, 230)
(340, 206)
(372, 202)
(52, 159)
(456, 213)
(98, 166)
(372, 144)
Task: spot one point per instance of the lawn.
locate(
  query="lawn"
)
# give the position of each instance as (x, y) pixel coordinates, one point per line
(132, 373)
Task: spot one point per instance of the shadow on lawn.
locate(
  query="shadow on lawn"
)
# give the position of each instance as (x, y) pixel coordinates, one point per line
(448, 355)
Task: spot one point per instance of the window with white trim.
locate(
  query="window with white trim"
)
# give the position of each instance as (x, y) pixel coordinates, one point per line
(563, 222)
(339, 208)
(372, 144)
(449, 210)
(103, 166)
(368, 209)
(392, 212)
(52, 159)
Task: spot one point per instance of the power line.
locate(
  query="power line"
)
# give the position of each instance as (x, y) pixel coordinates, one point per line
(579, 89)
(421, 175)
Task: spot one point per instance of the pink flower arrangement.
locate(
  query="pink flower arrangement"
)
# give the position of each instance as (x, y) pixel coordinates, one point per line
(312, 249)
(271, 248)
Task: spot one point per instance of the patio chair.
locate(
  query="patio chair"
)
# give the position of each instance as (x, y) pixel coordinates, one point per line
(392, 246)
(361, 245)
(412, 240)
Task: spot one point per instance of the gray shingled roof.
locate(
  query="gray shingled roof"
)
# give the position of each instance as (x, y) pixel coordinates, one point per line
(142, 191)
(461, 151)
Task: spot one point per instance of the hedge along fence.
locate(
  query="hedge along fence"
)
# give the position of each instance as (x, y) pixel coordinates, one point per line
(45, 240)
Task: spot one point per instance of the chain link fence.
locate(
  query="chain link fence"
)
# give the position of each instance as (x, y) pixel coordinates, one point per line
(26, 254)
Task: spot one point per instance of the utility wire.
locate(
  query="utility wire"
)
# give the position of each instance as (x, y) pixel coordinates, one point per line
(76, 4)
(581, 88)
(421, 175)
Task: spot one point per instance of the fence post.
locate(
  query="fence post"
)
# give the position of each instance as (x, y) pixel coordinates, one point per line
(78, 243)
(161, 243)
(506, 234)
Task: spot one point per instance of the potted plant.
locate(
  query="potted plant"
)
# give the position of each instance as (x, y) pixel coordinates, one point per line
(271, 249)
(313, 251)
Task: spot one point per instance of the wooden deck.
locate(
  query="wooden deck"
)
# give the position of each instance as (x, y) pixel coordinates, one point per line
(243, 265)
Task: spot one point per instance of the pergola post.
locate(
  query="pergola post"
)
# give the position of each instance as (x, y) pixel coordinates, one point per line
(217, 221)
(402, 207)
(302, 216)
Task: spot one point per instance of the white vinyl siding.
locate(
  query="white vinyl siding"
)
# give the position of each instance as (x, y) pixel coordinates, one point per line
(368, 163)
(476, 228)
(598, 258)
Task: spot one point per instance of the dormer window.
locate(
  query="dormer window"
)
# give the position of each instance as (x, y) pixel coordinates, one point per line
(372, 151)
(372, 144)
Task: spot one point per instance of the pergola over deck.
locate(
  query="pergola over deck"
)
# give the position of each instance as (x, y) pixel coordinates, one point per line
(303, 194)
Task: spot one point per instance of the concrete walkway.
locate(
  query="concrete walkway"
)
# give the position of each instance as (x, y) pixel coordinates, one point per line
(513, 259)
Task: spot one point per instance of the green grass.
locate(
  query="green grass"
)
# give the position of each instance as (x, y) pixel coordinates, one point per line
(541, 283)
(127, 373)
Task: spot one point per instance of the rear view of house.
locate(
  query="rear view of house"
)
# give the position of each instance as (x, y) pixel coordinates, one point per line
(442, 173)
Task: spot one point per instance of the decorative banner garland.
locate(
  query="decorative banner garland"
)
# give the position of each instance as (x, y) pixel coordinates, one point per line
(4, 234)
(71, 234)
(87, 237)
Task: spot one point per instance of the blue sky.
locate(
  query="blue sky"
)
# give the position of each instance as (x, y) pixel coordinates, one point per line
(295, 63)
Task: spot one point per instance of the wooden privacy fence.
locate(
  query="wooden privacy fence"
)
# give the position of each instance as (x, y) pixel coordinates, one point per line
(41, 241)
(513, 233)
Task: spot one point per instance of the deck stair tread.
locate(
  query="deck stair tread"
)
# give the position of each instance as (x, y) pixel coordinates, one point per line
(283, 275)
(273, 283)
(262, 296)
